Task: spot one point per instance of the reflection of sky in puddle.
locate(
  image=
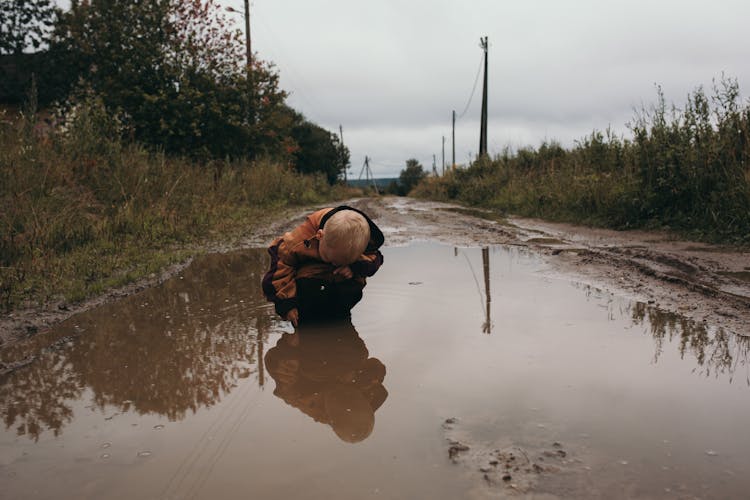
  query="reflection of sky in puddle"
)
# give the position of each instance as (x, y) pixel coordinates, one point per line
(166, 393)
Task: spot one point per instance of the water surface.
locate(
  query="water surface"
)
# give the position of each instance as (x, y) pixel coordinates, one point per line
(194, 389)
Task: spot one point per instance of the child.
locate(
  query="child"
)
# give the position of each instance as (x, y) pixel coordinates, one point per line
(318, 270)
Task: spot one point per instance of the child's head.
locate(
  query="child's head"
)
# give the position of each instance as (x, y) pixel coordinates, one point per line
(343, 238)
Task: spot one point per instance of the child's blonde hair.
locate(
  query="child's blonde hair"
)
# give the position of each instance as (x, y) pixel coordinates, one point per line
(348, 233)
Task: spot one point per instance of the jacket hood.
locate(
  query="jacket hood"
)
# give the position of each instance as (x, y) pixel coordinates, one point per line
(376, 235)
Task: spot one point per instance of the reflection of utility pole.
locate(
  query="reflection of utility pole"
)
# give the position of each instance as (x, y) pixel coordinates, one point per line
(483, 126)
(487, 327)
(262, 325)
(261, 367)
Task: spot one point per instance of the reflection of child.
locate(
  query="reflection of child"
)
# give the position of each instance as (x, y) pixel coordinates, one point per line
(326, 373)
(318, 270)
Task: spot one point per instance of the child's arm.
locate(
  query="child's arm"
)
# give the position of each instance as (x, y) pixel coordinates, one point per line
(344, 271)
(368, 264)
(279, 285)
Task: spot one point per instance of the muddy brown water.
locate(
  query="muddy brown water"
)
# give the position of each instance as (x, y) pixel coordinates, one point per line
(465, 372)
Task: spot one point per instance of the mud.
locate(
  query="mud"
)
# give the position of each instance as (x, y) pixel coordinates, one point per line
(489, 358)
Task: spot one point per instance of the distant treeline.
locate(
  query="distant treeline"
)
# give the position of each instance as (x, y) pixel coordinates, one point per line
(382, 182)
(687, 169)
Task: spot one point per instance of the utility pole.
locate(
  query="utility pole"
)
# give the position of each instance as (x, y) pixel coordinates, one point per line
(249, 49)
(364, 166)
(248, 53)
(453, 163)
(343, 162)
(443, 155)
(434, 166)
(368, 174)
(483, 127)
(248, 45)
(371, 176)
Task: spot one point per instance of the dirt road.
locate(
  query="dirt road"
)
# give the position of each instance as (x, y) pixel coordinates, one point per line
(705, 283)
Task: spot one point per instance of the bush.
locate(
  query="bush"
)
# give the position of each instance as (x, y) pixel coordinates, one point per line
(81, 210)
(686, 169)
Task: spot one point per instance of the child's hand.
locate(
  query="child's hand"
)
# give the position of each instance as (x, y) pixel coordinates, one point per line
(293, 316)
(344, 271)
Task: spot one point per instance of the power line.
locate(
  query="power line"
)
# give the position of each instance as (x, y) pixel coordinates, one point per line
(473, 89)
(386, 165)
(290, 73)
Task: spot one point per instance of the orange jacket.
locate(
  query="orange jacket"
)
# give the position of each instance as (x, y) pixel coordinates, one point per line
(295, 255)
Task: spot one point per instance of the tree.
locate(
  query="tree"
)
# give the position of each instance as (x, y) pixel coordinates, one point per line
(25, 24)
(410, 176)
(319, 150)
(176, 70)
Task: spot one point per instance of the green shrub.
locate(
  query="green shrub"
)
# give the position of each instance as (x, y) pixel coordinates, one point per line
(686, 169)
(81, 210)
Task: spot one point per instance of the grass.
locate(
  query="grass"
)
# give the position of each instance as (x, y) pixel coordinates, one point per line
(683, 169)
(82, 211)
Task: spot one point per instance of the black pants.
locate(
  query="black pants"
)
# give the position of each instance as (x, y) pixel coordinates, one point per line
(320, 300)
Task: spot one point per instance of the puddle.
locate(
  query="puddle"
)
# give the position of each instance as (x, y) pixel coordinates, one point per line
(738, 275)
(737, 284)
(464, 372)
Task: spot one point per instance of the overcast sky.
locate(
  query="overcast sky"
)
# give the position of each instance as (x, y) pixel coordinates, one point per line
(392, 71)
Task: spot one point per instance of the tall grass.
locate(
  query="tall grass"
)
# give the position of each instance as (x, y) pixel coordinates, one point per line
(81, 210)
(686, 169)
